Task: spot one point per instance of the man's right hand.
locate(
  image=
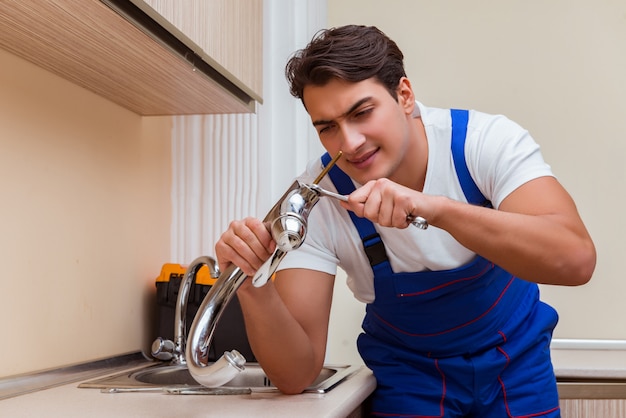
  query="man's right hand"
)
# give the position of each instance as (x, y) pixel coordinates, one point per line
(247, 244)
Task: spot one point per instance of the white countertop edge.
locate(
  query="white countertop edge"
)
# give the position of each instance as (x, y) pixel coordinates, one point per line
(587, 344)
(589, 359)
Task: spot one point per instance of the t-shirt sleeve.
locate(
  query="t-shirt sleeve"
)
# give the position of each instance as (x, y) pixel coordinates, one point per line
(502, 156)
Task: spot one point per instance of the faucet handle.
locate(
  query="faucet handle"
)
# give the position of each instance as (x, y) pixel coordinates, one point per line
(263, 275)
(163, 349)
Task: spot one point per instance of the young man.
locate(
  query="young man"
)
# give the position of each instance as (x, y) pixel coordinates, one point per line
(454, 325)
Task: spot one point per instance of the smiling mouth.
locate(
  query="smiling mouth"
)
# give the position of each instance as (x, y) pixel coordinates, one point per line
(362, 159)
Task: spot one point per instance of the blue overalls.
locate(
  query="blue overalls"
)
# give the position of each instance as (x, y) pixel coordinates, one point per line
(467, 342)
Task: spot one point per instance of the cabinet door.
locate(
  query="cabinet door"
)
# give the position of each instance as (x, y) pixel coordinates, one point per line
(590, 408)
(229, 31)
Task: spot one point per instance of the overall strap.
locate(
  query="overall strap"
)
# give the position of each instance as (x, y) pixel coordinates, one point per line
(372, 243)
(459, 133)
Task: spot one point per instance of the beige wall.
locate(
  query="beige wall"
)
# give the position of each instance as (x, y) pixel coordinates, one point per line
(556, 67)
(84, 220)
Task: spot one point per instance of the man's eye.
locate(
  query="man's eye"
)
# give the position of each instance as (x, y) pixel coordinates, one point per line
(326, 129)
(363, 112)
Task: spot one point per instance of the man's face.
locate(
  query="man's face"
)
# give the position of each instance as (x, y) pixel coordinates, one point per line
(365, 122)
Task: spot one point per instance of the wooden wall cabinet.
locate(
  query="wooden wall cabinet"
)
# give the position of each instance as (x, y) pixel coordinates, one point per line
(229, 31)
(134, 56)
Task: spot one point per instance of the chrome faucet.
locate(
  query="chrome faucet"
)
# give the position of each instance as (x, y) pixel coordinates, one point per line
(288, 221)
(288, 225)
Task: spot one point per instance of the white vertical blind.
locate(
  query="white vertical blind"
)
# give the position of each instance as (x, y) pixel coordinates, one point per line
(214, 179)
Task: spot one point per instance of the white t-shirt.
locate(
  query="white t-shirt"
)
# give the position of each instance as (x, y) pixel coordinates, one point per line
(500, 156)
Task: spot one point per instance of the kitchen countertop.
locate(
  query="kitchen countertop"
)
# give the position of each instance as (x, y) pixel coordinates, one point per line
(590, 374)
(589, 364)
(69, 401)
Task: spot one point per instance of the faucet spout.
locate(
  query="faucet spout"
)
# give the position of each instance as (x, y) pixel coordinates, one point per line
(180, 316)
(203, 327)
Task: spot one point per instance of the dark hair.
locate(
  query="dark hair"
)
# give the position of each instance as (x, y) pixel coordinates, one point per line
(351, 53)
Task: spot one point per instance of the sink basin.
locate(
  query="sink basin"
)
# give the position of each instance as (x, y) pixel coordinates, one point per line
(177, 379)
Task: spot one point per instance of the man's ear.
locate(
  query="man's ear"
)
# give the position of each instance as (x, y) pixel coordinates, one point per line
(406, 98)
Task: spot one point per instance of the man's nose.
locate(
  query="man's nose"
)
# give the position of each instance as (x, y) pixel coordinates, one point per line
(352, 139)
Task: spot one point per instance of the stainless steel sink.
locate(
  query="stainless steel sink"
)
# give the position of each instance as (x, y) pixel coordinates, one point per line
(177, 380)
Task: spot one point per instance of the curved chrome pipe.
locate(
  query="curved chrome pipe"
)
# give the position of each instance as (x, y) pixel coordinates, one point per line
(163, 349)
(288, 224)
(203, 327)
(180, 318)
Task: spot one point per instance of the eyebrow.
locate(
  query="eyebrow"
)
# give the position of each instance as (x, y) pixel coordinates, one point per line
(346, 113)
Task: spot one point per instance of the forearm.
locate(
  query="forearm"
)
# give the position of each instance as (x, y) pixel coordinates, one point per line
(542, 248)
(279, 342)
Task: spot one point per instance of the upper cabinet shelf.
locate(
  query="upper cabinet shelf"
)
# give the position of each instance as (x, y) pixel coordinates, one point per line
(138, 57)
